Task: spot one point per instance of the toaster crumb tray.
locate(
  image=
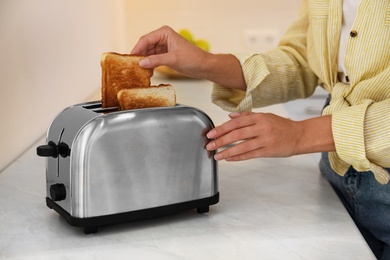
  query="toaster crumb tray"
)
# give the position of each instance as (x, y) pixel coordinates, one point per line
(92, 224)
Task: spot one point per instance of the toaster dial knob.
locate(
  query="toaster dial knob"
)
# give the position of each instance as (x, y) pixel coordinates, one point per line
(57, 192)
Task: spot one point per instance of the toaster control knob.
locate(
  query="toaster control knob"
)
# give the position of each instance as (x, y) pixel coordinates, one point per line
(57, 192)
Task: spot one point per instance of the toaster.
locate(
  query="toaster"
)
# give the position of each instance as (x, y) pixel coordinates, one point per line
(105, 166)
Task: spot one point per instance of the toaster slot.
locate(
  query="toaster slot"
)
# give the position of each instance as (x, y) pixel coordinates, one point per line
(106, 110)
(93, 106)
(97, 108)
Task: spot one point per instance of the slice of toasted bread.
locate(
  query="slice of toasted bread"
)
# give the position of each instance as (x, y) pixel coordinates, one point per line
(121, 71)
(153, 96)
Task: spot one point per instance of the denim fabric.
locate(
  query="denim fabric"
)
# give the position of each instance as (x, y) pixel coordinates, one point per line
(368, 203)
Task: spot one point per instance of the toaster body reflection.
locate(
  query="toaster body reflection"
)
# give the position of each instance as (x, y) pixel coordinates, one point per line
(105, 167)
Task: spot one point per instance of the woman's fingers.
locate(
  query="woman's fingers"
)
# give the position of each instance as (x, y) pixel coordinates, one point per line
(255, 135)
(155, 42)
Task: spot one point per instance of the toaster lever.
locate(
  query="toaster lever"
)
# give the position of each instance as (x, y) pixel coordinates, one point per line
(63, 149)
(53, 150)
(48, 150)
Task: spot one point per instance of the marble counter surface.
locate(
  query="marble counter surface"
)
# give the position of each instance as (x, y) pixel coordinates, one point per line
(268, 209)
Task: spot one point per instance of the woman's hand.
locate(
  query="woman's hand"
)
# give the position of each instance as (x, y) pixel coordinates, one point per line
(166, 47)
(269, 135)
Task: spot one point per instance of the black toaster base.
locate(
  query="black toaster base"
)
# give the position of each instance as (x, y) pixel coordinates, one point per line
(91, 224)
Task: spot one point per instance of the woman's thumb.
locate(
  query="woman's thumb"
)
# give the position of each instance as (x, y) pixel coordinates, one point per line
(145, 63)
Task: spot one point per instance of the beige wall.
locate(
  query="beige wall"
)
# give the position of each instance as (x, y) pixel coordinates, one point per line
(50, 50)
(222, 22)
(50, 53)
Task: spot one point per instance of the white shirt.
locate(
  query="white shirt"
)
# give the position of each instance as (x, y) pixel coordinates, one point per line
(350, 9)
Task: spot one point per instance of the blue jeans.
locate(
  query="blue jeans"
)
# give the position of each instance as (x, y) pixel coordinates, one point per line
(368, 203)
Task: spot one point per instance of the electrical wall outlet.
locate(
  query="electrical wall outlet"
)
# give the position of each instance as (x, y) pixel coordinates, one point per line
(260, 39)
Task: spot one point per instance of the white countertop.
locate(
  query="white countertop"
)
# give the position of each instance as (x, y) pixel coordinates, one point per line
(268, 209)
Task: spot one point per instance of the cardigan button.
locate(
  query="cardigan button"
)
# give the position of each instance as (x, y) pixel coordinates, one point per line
(353, 33)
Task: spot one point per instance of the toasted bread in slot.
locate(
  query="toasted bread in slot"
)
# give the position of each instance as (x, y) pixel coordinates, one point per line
(153, 96)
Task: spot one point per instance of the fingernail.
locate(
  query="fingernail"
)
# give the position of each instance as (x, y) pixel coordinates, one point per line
(210, 146)
(144, 63)
(211, 134)
(218, 156)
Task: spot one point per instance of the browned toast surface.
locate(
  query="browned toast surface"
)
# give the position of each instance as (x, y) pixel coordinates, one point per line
(121, 71)
(153, 96)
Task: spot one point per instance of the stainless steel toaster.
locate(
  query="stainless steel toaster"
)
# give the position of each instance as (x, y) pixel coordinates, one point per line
(105, 166)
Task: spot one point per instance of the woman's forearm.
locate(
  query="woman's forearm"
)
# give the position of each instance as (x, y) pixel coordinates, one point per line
(224, 69)
(317, 135)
